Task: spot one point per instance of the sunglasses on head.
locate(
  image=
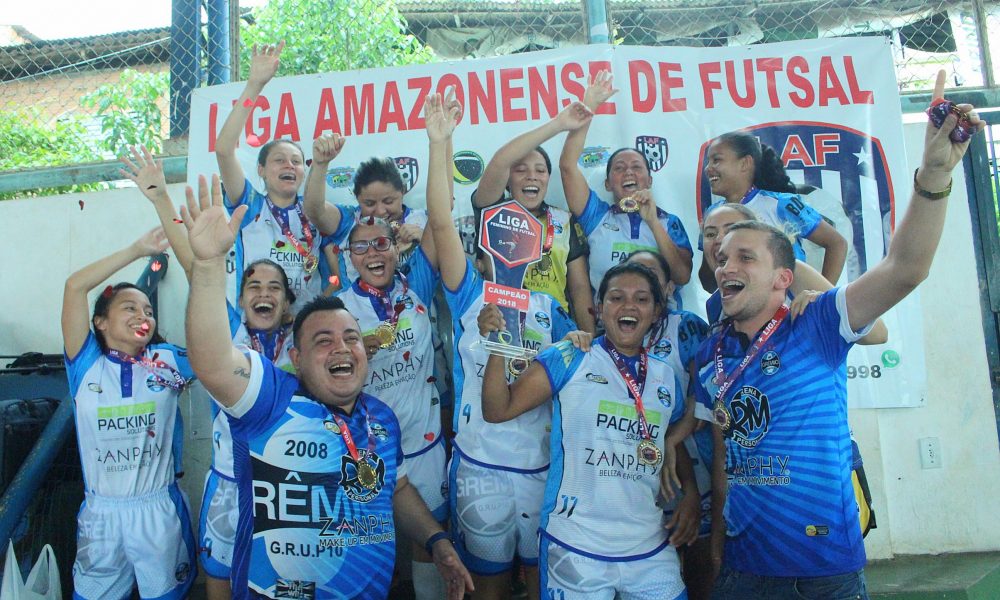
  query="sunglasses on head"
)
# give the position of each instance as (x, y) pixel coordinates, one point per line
(380, 243)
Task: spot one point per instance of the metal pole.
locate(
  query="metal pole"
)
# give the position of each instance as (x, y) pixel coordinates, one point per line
(184, 62)
(983, 38)
(218, 42)
(596, 12)
(29, 478)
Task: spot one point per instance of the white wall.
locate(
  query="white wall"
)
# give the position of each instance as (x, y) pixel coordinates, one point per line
(951, 509)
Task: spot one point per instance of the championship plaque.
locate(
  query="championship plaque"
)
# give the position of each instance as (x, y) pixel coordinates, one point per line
(512, 237)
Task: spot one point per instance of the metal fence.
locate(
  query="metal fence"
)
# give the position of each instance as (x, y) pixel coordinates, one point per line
(67, 102)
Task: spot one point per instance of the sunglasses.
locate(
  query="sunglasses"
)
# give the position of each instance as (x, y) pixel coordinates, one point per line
(380, 244)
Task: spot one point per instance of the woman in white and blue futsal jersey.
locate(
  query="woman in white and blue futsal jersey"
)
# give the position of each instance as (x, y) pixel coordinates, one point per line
(602, 531)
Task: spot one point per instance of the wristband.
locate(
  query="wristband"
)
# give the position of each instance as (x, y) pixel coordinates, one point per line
(435, 538)
(930, 195)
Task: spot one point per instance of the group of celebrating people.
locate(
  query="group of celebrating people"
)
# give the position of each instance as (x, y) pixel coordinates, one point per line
(642, 454)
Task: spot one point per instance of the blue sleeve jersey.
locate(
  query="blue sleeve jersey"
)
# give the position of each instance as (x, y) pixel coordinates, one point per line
(519, 445)
(614, 235)
(600, 501)
(126, 418)
(308, 524)
(790, 511)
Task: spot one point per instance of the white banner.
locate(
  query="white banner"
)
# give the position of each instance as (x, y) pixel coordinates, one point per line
(830, 108)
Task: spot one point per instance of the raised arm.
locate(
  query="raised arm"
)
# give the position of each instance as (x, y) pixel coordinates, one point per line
(809, 284)
(497, 172)
(448, 245)
(575, 185)
(222, 368)
(835, 250)
(75, 309)
(264, 63)
(324, 215)
(147, 175)
(916, 238)
(580, 295)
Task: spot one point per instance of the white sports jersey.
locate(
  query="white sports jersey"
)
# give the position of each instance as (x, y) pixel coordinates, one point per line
(676, 341)
(402, 374)
(600, 500)
(261, 237)
(522, 443)
(351, 214)
(125, 418)
(614, 235)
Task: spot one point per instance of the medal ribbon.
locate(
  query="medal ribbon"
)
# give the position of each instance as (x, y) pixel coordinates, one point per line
(258, 345)
(634, 387)
(385, 310)
(175, 383)
(286, 230)
(345, 433)
(765, 335)
(550, 233)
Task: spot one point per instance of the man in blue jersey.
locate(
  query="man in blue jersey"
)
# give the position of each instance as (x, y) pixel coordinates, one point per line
(785, 521)
(319, 467)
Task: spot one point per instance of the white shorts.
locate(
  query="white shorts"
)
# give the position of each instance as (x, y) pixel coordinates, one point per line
(427, 472)
(217, 525)
(495, 515)
(569, 575)
(144, 540)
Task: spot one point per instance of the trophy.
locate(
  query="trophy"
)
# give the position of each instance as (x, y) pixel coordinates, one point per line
(512, 237)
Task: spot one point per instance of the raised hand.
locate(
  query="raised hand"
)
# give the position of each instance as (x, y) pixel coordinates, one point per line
(451, 104)
(151, 243)
(941, 153)
(145, 172)
(264, 62)
(490, 320)
(440, 123)
(599, 90)
(647, 205)
(327, 147)
(210, 231)
(574, 116)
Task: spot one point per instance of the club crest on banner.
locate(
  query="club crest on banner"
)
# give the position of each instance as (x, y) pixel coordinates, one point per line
(654, 148)
(409, 170)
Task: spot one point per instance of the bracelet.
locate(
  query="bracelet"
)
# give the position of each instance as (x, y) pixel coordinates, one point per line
(930, 195)
(435, 538)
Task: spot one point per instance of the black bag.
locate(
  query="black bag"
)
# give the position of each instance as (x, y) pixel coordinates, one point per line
(21, 422)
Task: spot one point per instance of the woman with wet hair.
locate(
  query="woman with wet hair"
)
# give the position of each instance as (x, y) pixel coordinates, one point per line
(134, 527)
(632, 221)
(742, 170)
(276, 225)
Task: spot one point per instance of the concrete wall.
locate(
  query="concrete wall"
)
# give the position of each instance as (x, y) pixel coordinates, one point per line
(951, 509)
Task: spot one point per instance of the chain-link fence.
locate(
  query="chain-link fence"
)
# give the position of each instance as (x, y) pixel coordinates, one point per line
(72, 101)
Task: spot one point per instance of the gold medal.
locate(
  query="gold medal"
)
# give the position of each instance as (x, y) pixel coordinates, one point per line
(628, 204)
(310, 263)
(544, 264)
(720, 415)
(366, 475)
(516, 366)
(649, 453)
(386, 334)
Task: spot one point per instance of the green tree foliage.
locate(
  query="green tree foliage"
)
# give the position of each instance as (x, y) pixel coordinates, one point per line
(333, 35)
(128, 111)
(29, 142)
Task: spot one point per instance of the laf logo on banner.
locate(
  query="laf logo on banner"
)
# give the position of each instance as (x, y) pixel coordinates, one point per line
(512, 235)
(409, 170)
(505, 297)
(654, 148)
